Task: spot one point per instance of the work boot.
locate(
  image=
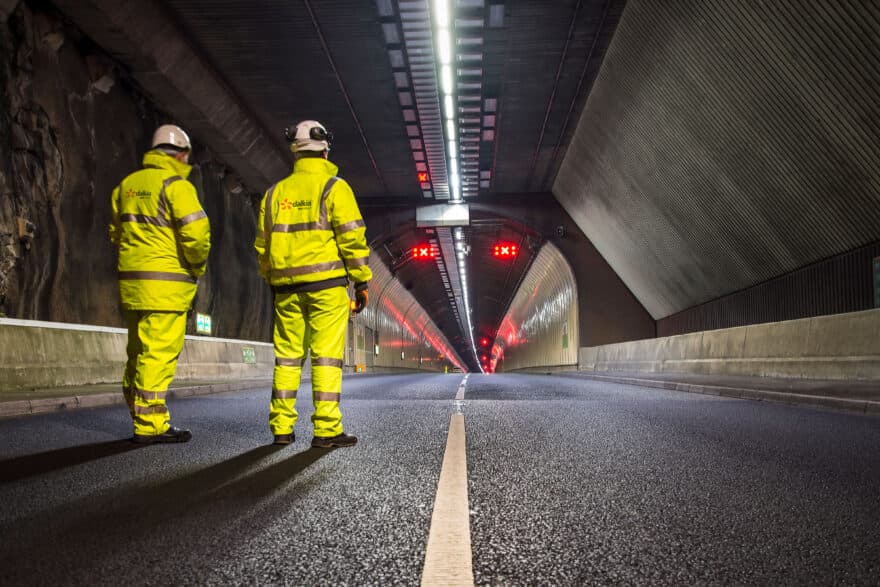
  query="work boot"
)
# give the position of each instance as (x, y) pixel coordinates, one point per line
(171, 435)
(338, 441)
(284, 438)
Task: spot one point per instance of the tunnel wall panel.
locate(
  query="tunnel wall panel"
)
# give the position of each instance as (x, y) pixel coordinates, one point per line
(725, 144)
(407, 338)
(540, 329)
(844, 283)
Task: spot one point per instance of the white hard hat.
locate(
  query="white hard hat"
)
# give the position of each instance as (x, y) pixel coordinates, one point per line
(310, 135)
(169, 134)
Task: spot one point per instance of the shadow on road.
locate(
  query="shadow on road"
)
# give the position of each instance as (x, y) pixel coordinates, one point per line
(18, 468)
(134, 520)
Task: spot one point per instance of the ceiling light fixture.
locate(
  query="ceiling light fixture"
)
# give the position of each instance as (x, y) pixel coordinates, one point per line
(444, 47)
(446, 79)
(444, 40)
(441, 13)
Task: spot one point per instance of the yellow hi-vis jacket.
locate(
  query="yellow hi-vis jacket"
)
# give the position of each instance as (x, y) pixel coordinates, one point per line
(162, 233)
(310, 233)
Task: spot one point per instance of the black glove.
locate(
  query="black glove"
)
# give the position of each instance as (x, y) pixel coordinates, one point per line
(361, 297)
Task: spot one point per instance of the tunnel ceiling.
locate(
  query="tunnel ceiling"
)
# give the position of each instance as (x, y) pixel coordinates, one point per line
(335, 61)
(526, 69)
(702, 146)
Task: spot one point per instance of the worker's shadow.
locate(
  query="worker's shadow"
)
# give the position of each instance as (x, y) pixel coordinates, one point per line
(26, 466)
(211, 498)
(227, 479)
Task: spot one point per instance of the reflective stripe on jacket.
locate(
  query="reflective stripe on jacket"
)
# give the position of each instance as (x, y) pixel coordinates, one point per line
(162, 233)
(310, 232)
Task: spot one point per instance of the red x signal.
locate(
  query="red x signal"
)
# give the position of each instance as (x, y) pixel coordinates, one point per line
(505, 250)
(423, 252)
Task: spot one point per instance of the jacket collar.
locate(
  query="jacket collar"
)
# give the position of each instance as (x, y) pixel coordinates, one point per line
(315, 165)
(160, 160)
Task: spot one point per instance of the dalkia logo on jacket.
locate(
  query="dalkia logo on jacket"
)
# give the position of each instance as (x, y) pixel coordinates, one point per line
(138, 194)
(288, 205)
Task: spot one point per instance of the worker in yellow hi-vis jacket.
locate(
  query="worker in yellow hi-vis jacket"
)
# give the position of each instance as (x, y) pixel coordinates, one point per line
(310, 245)
(163, 236)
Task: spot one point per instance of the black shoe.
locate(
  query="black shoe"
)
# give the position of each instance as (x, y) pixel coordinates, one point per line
(171, 435)
(284, 438)
(338, 441)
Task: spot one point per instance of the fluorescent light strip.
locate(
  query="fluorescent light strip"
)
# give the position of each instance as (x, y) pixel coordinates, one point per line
(441, 13)
(446, 79)
(444, 49)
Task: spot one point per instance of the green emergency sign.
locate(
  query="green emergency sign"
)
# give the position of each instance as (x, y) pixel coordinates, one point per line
(248, 355)
(203, 323)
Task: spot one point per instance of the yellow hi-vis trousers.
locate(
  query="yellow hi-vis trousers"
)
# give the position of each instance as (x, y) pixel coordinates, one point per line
(155, 340)
(315, 321)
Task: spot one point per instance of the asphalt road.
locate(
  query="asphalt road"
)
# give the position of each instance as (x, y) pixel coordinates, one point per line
(571, 482)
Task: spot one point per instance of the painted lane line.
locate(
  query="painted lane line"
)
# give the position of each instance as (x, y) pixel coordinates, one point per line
(460, 394)
(448, 554)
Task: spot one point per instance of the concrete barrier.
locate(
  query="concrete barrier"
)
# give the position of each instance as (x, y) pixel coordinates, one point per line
(840, 346)
(38, 355)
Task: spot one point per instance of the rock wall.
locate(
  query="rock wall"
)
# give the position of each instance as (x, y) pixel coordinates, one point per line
(72, 126)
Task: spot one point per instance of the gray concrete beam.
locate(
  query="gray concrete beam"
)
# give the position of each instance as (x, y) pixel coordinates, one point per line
(170, 70)
(42, 356)
(843, 347)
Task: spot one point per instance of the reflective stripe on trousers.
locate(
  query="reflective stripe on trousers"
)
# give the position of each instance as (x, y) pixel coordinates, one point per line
(155, 340)
(318, 319)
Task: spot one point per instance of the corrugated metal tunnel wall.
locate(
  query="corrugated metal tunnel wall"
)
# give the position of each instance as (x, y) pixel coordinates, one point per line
(396, 324)
(843, 284)
(540, 329)
(726, 144)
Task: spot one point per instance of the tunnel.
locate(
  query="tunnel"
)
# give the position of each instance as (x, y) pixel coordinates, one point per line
(622, 314)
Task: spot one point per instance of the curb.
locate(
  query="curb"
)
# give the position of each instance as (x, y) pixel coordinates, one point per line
(863, 406)
(58, 404)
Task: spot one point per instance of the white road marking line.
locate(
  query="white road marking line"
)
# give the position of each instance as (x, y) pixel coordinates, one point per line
(460, 394)
(448, 554)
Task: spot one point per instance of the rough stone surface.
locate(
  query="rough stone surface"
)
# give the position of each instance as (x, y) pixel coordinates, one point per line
(67, 137)
(6, 8)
